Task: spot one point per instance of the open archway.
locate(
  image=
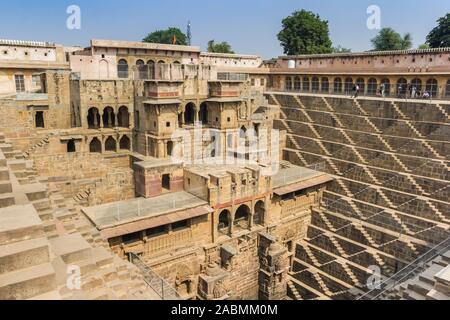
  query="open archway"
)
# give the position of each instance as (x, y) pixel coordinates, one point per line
(95, 146)
(189, 114)
(93, 118)
(432, 87)
(125, 143)
(223, 226)
(325, 85)
(260, 209)
(297, 84)
(123, 117)
(203, 114)
(372, 86)
(242, 218)
(110, 144)
(109, 118)
(337, 85)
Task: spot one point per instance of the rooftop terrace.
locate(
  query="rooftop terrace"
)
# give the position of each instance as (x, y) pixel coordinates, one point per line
(129, 211)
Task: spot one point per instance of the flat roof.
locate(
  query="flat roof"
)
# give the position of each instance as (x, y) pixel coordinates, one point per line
(364, 54)
(295, 178)
(237, 99)
(220, 170)
(136, 210)
(142, 45)
(162, 101)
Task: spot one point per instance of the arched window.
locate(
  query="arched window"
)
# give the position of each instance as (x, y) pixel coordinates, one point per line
(288, 84)
(315, 84)
(337, 85)
(372, 86)
(362, 85)
(297, 84)
(325, 85)
(140, 62)
(447, 89)
(387, 87)
(95, 146)
(241, 218)
(260, 209)
(189, 114)
(109, 118)
(203, 116)
(224, 222)
(122, 68)
(402, 87)
(123, 117)
(348, 85)
(110, 144)
(125, 143)
(71, 146)
(432, 88)
(93, 118)
(306, 85)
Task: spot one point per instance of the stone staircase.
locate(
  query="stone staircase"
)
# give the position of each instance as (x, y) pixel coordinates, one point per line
(293, 290)
(43, 236)
(39, 145)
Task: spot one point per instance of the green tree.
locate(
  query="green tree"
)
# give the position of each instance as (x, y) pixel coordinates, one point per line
(424, 46)
(167, 36)
(388, 39)
(220, 47)
(305, 33)
(340, 49)
(440, 35)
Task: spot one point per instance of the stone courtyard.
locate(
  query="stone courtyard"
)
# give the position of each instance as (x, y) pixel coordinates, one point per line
(139, 171)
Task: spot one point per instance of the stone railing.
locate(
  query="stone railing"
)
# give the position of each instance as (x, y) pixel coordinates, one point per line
(168, 242)
(154, 281)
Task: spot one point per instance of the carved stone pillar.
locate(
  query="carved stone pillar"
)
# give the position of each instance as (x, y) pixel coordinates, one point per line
(274, 267)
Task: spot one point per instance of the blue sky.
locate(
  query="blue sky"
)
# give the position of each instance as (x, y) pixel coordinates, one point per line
(250, 26)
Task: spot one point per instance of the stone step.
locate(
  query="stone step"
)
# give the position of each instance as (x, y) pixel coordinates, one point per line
(63, 214)
(5, 187)
(3, 161)
(46, 215)
(42, 205)
(17, 165)
(27, 283)
(102, 256)
(49, 226)
(7, 200)
(18, 223)
(4, 174)
(71, 248)
(24, 254)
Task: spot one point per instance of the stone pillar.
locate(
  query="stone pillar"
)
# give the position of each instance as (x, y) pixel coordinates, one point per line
(95, 114)
(109, 117)
(274, 267)
(252, 215)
